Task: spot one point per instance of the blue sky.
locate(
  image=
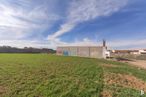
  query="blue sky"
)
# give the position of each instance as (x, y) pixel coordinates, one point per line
(50, 23)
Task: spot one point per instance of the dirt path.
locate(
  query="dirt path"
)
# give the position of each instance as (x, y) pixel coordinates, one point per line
(139, 63)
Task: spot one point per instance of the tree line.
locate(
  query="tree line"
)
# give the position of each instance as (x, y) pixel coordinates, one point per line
(9, 49)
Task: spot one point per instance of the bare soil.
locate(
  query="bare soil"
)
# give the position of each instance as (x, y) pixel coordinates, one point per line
(139, 63)
(106, 93)
(2, 90)
(128, 81)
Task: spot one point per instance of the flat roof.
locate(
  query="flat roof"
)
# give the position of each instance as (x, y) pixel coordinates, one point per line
(78, 46)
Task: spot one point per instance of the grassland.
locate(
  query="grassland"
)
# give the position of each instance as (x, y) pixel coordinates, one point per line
(43, 75)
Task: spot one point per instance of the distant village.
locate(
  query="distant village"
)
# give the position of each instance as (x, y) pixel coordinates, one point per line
(127, 52)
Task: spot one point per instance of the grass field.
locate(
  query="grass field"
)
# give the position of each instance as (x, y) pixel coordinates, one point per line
(43, 75)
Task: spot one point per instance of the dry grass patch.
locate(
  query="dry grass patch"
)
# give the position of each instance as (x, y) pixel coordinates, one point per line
(124, 80)
(2, 90)
(110, 65)
(106, 93)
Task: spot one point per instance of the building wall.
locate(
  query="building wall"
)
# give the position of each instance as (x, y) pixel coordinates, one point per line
(83, 52)
(93, 52)
(97, 52)
(73, 51)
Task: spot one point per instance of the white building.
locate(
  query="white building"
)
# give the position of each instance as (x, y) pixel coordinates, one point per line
(142, 51)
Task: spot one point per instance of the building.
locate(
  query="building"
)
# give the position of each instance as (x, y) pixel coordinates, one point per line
(124, 52)
(142, 51)
(83, 51)
(128, 52)
(108, 53)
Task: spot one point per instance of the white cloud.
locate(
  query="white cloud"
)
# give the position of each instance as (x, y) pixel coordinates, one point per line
(115, 44)
(27, 43)
(125, 44)
(17, 22)
(84, 10)
(84, 42)
(64, 28)
(22, 19)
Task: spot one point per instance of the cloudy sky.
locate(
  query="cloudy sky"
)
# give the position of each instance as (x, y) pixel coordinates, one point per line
(49, 23)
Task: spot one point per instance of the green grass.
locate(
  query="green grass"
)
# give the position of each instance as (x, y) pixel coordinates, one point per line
(32, 75)
(43, 75)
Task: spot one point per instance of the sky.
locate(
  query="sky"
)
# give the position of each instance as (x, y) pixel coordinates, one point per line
(52, 23)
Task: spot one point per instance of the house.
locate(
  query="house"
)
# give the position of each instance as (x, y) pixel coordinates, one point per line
(142, 51)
